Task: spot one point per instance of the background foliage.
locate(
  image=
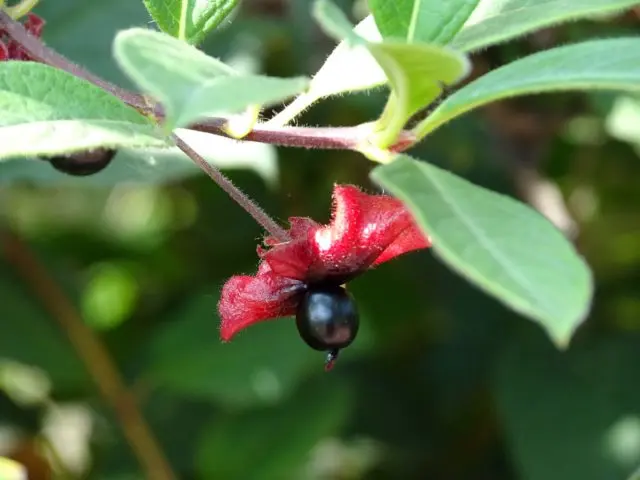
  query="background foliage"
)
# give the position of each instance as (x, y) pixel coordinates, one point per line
(443, 381)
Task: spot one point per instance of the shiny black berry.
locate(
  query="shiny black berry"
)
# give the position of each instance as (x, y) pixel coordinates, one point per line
(327, 318)
(82, 163)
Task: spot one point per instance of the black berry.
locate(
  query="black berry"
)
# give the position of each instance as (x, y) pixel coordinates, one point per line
(327, 318)
(82, 163)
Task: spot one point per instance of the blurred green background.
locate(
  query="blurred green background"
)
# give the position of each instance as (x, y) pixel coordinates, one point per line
(442, 383)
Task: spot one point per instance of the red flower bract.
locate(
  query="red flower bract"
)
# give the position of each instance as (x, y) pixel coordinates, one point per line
(365, 231)
(10, 49)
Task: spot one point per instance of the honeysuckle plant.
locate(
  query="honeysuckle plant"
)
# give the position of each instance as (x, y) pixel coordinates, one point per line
(54, 110)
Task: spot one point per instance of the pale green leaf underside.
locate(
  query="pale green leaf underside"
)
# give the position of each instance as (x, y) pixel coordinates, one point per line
(188, 83)
(612, 64)
(429, 21)
(500, 245)
(494, 22)
(416, 71)
(45, 111)
(349, 69)
(189, 20)
(416, 74)
(151, 166)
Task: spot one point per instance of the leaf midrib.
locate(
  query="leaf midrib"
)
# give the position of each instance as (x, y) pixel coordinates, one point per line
(484, 241)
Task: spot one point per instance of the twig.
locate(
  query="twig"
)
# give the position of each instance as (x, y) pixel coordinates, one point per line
(341, 138)
(335, 138)
(40, 52)
(92, 352)
(234, 192)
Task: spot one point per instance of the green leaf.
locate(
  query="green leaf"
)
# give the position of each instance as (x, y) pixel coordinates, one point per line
(497, 21)
(416, 75)
(152, 165)
(28, 335)
(189, 20)
(260, 366)
(431, 21)
(502, 246)
(612, 64)
(416, 72)
(573, 414)
(349, 68)
(45, 111)
(190, 84)
(245, 445)
(96, 23)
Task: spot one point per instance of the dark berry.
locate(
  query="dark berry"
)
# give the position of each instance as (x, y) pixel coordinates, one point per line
(327, 318)
(82, 163)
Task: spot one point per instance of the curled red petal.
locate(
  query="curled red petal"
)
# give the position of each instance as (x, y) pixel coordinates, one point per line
(246, 300)
(4, 52)
(365, 230)
(409, 240)
(34, 24)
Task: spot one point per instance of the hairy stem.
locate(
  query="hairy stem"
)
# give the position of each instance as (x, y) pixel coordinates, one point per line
(234, 192)
(272, 132)
(40, 52)
(92, 352)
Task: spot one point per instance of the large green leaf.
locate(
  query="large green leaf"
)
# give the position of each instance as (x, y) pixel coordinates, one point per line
(152, 165)
(96, 22)
(190, 84)
(416, 72)
(189, 20)
(432, 21)
(497, 21)
(572, 414)
(44, 111)
(275, 442)
(499, 244)
(349, 68)
(28, 335)
(612, 64)
(261, 365)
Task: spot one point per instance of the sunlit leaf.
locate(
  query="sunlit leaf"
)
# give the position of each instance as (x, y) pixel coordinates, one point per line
(153, 165)
(191, 85)
(416, 72)
(496, 21)
(500, 245)
(45, 111)
(189, 20)
(612, 64)
(432, 21)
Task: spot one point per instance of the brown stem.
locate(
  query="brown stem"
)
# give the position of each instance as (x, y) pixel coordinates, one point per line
(234, 192)
(328, 138)
(341, 138)
(92, 352)
(40, 52)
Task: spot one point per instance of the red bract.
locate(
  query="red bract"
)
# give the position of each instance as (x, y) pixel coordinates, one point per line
(10, 49)
(365, 231)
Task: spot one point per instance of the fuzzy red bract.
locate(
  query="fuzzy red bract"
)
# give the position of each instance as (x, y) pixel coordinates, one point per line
(365, 231)
(11, 50)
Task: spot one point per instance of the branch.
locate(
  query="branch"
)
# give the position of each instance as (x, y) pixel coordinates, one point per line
(340, 138)
(93, 353)
(43, 54)
(234, 192)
